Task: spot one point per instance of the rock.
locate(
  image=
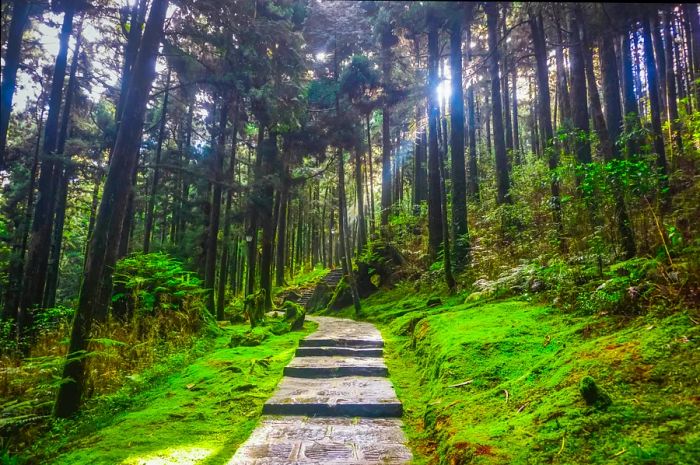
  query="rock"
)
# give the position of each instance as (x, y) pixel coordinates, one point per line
(294, 314)
(249, 338)
(342, 297)
(592, 394)
(320, 298)
(433, 302)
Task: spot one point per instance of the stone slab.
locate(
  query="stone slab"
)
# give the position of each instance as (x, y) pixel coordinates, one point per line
(331, 367)
(342, 332)
(343, 397)
(333, 351)
(324, 441)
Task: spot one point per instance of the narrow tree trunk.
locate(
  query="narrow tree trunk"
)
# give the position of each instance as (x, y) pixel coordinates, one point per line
(655, 110)
(671, 102)
(156, 170)
(473, 173)
(460, 231)
(659, 55)
(65, 172)
(579, 109)
(265, 205)
(545, 116)
(386, 142)
(215, 212)
(613, 107)
(343, 230)
(36, 265)
(361, 223)
(420, 181)
(502, 169)
(226, 240)
(13, 51)
(629, 98)
(516, 126)
(370, 163)
(112, 210)
(435, 217)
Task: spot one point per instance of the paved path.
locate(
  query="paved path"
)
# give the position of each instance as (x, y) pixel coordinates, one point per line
(334, 406)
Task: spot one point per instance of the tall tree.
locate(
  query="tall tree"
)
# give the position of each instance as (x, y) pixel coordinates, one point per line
(655, 111)
(20, 19)
(111, 211)
(36, 265)
(435, 227)
(473, 172)
(502, 168)
(460, 231)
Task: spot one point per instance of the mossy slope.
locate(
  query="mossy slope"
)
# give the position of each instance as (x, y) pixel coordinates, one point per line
(199, 414)
(499, 382)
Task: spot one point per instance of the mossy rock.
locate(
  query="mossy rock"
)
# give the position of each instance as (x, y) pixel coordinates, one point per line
(294, 314)
(249, 338)
(320, 298)
(592, 394)
(342, 297)
(280, 327)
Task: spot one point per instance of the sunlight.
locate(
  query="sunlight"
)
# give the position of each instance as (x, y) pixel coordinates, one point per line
(184, 456)
(444, 90)
(320, 56)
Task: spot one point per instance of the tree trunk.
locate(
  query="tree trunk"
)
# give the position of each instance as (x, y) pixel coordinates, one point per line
(226, 240)
(613, 107)
(265, 206)
(343, 230)
(65, 172)
(655, 110)
(502, 168)
(545, 115)
(473, 173)
(386, 142)
(370, 163)
(280, 259)
(629, 98)
(671, 100)
(112, 210)
(659, 55)
(516, 126)
(460, 231)
(579, 109)
(217, 175)
(20, 19)
(420, 181)
(435, 227)
(15, 272)
(148, 227)
(36, 265)
(361, 223)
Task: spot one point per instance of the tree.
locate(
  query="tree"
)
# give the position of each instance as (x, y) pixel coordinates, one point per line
(111, 211)
(460, 231)
(20, 19)
(502, 168)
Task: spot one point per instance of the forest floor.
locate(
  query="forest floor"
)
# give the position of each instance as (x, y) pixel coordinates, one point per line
(198, 414)
(487, 382)
(497, 382)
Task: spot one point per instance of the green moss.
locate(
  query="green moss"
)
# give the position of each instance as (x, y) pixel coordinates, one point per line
(499, 382)
(198, 414)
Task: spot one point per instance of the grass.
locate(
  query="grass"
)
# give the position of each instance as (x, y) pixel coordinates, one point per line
(199, 413)
(498, 382)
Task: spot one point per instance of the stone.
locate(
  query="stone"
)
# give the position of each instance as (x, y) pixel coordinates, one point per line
(433, 302)
(324, 441)
(346, 351)
(331, 367)
(338, 397)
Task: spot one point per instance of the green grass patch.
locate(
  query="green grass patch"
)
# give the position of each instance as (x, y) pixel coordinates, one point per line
(500, 382)
(199, 413)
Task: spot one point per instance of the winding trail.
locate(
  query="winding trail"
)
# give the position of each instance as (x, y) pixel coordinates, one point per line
(334, 406)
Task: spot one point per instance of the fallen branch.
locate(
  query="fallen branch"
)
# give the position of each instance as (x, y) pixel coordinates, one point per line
(461, 384)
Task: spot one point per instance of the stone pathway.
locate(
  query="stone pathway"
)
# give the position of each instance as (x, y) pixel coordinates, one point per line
(334, 406)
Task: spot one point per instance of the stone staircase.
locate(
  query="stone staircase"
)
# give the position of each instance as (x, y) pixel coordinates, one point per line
(334, 406)
(331, 279)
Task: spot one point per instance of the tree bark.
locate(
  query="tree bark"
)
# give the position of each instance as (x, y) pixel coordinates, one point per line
(502, 168)
(148, 227)
(435, 227)
(13, 51)
(671, 97)
(545, 116)
(65, 172)
(473, 173)
(579, 109)
(655, 110)
(36, 265)
(361, 222)
(343, 230)
(215, 211)
(460, 231)
(112, 210)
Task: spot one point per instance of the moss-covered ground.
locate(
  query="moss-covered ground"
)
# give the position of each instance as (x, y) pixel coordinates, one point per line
(199, 413)
(499, 382)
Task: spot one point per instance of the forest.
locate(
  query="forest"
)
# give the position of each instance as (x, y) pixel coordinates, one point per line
(491, 208)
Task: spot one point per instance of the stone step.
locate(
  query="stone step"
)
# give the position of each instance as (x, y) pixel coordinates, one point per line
(335, 397)
(332, 367)
(341, 342)
(327, 441)
(346, 351)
